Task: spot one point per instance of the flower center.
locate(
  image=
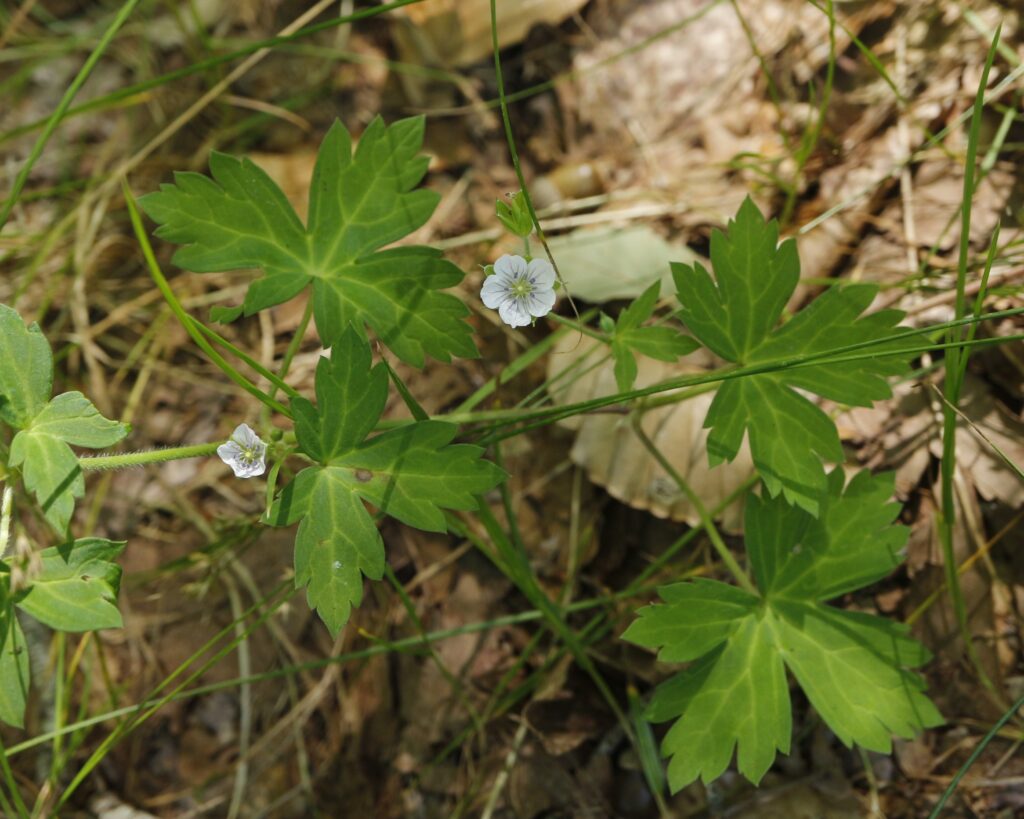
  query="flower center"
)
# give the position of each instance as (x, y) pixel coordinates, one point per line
(521, 288)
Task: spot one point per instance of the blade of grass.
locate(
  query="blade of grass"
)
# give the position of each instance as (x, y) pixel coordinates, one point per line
(517, 366)
(956, 358)
(726, 556)
(12, 785)
(58, 114)
(515, 565)
(151, 705)
(977, 752)
(813, 134)
(276, 381)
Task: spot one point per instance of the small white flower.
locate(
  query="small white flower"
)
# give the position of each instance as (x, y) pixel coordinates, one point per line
(520, 291)
(244, 452)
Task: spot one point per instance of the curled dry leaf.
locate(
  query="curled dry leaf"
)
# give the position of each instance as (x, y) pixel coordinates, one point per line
(614, 458)
(459, 33)
(905, 433)
(985, 426)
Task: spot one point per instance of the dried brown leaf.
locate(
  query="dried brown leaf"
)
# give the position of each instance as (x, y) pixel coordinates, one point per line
(612, 455)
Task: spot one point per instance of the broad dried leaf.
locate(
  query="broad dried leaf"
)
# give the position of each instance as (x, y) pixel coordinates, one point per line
(594, 263)
(608, 449)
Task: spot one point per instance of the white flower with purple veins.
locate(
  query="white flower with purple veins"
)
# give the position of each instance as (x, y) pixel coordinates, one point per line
(521, 291)
(244, 452)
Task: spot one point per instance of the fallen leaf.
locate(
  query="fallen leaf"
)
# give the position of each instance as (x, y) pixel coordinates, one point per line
(458, 32)
(600, 265)
(612, 455)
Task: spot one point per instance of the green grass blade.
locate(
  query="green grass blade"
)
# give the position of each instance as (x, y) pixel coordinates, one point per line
(62, 107)
(956, 359)
(977, 752)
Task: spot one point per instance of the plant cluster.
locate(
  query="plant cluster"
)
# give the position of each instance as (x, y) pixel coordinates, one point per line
(812, 536)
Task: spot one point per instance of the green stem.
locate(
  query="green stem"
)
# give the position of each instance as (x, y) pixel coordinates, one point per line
(548, 415)
(514, 154)
(294, 345)
(678, 397)
(217, 338)
(149, 456)
(956, 358)
(579, 327)
(702, 512)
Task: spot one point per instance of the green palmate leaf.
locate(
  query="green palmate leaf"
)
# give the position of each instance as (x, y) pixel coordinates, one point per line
(337, 542)
(737, 314)
(412, 473)
(71, 417)
(629, 338)
(77, 587)
(26, 371)
(854, 667)
(14, 669)
(41, 450)
(358, 203)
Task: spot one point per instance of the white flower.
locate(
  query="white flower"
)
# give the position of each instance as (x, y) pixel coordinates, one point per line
(244, 452)
(521, 291)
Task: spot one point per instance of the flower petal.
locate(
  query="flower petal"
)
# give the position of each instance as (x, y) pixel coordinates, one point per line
(229, 452)
(514, 313)
(541, 273)
(541, 302)
(508, 267)
(246, 437)
(493, 291)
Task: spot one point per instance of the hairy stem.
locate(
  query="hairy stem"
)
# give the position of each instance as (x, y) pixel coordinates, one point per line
(149, 456)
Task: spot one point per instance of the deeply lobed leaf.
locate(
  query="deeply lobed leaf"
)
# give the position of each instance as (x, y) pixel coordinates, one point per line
(14, 667)
(736, 314)
(359, 202)
(76, 589)
(412, 473)
(629, 337)
(26, 375)
(49, 468)
(855, 668)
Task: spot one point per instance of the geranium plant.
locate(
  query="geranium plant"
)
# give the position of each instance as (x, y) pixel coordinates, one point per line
(812, 535)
